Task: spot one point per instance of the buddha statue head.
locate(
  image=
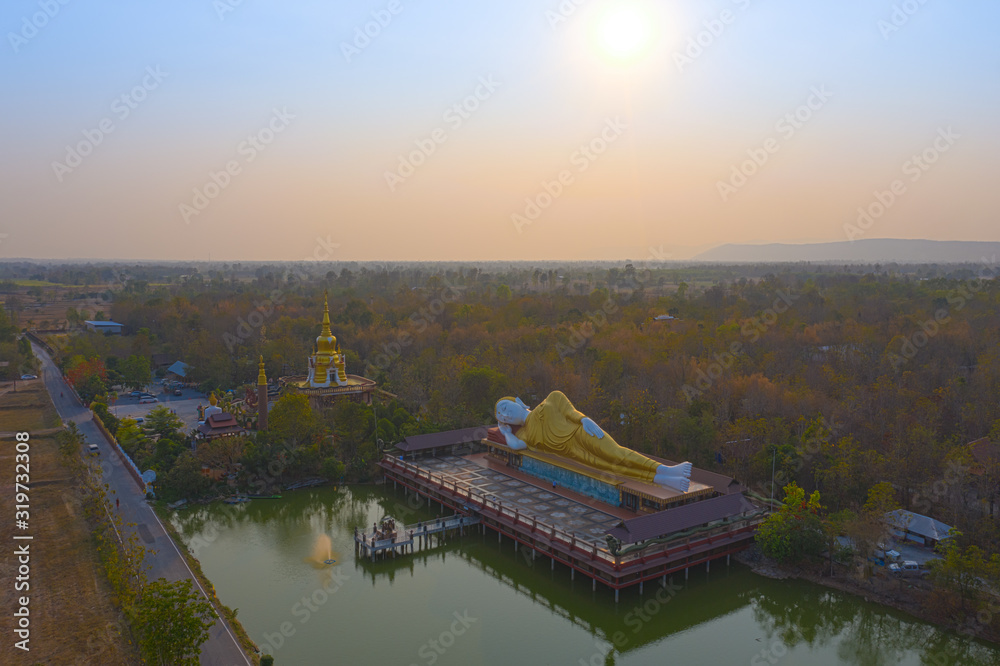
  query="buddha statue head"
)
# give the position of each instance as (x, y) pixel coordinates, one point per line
(511, 411)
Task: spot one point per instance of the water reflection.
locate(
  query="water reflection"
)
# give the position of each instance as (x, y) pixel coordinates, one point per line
(799, 618)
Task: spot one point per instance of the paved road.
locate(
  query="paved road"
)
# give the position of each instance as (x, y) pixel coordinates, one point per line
(221, 649)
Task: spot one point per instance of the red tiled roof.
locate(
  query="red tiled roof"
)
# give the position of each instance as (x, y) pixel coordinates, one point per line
(441, 439)
(220, 424)
(662, 523)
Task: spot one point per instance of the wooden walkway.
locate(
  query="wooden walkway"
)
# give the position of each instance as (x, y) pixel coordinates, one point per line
(404, 539)
(655, 563)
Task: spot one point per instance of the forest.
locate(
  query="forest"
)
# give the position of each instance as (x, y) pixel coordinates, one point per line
(836, 378)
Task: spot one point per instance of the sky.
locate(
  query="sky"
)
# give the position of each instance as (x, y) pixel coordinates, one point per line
(524, 129)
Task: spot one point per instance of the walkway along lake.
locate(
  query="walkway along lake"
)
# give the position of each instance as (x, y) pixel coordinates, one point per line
(471, 600)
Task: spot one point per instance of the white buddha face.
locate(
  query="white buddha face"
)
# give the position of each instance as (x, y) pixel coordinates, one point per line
(511, 413)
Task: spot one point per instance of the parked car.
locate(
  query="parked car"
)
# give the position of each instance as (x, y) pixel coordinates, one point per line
(93, 450)
(178, 392)
(139, 420)
(29, 376)
(136, 394)
(907, 569)
(147, 399)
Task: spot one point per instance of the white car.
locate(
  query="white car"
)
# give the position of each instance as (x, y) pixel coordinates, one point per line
(145, 400)
(93, 450)
(909, 569)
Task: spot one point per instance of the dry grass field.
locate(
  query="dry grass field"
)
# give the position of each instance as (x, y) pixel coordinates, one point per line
(26, 409)
(50, 314)
(73, 619)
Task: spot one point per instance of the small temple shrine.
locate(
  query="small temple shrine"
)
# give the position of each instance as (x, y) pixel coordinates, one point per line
(217, 423)
(327, 379)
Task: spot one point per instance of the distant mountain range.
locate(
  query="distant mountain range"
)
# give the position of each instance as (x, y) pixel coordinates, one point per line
(870, 251)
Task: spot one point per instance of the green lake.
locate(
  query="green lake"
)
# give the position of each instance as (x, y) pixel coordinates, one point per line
(472, 600)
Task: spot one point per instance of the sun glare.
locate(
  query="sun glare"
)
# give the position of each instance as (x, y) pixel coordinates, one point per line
(624, 32)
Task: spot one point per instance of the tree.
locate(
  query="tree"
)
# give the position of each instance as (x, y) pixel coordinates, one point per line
(293, 422)
(88, 377)
(130, 436)
(966, 572)
(161, 421)
(8, 330)
(868, 531)
(333, 469)
(185, 480)
(173, 621)
(136, 373)
(795, 532)
(70, 440)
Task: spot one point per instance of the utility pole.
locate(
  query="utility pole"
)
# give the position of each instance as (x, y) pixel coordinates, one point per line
(774, 457)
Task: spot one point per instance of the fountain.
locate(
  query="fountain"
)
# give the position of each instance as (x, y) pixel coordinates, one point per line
(322, 552)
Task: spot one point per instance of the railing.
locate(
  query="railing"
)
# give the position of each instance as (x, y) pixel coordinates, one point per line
(406, 533)
(570, 542)
(125, 458)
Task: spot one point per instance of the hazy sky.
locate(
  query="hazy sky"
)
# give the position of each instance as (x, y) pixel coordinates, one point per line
(584, 129)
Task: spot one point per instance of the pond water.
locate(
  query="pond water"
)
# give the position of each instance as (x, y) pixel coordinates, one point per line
(472, 600)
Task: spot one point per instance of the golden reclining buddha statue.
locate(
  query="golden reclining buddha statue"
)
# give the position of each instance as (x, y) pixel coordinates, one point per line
(556, 427)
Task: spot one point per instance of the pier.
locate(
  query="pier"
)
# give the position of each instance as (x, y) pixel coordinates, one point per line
(404, 539)
(587, 553)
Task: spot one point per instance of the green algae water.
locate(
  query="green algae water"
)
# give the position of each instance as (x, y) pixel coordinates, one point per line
(471, 600)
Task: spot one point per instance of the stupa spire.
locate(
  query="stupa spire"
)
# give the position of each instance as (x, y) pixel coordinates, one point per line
(326, 333)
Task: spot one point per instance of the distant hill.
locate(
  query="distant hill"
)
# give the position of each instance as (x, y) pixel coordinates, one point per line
(868, 251)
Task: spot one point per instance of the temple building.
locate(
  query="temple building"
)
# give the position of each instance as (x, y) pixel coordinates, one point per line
(217, 423)
(327, 379)
(553, 481)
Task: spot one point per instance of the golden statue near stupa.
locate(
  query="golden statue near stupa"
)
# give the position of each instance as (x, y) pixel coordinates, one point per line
(556, 427)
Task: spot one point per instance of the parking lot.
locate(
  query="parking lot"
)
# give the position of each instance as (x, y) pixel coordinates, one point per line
(184, 405)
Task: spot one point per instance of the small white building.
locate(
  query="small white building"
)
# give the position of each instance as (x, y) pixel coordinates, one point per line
(106, 327)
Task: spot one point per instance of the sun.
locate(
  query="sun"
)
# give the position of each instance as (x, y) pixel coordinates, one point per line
(624, 31)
